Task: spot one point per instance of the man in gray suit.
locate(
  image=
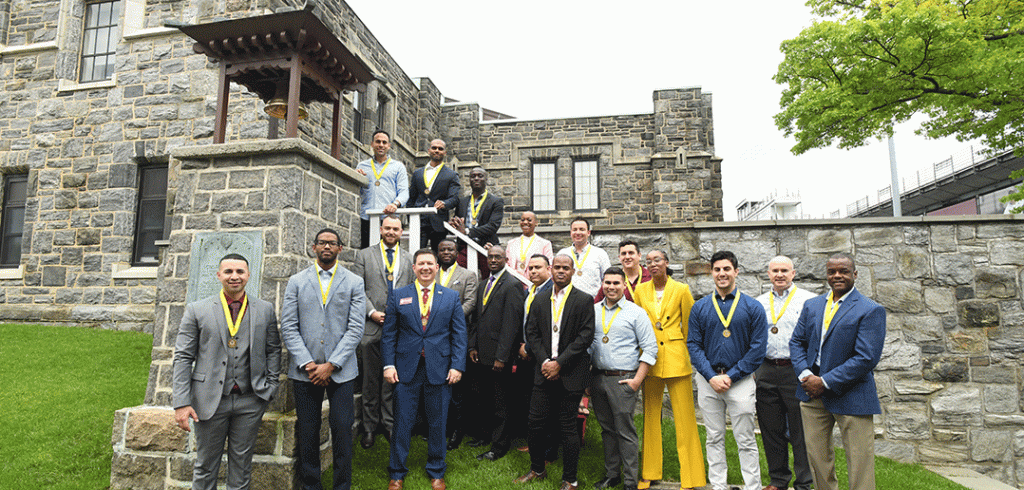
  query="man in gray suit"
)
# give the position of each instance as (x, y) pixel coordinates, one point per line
(227, 366)
(322, 323)
(383, 267)
(464, 282)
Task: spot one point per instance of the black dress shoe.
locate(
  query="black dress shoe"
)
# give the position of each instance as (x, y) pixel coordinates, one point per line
(474, 442)
(490, 456)
(366, 441)
(608, 483)
(455, 441)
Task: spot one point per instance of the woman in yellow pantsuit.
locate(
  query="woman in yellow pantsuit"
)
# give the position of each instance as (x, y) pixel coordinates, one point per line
(668, 304)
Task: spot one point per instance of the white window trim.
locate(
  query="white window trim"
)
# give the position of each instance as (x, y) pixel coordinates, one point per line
(126, 271)
(13, 273)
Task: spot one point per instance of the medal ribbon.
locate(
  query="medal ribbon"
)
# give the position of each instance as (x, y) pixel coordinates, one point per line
(446, 276)
(487, 297)
(830, 311)
(726, 321)
(523, 250)
(425, 306)
(323, 293)
(529, 298)
(233, 325)
(632, 294)
(390, 266)
(657, 304)
(373, 164)
(608, 326)
(771, 302)
(579, 263)
(556, 311)
(474, 208)
(430, 184)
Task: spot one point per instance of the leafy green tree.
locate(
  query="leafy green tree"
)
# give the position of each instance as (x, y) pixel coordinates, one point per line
(869, 64)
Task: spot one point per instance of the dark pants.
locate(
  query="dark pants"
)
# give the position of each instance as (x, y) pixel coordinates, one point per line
(407, 400)
(308, 406)
(778, 416)
(364, 233)
(493, 396)
(551, 401)
(430, 237)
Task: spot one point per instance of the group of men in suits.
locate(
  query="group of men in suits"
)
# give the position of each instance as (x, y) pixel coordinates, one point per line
(414, 325)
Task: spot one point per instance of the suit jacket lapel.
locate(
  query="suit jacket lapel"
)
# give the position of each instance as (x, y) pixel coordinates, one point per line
(219, 320)
(844, 308)
(433, 310)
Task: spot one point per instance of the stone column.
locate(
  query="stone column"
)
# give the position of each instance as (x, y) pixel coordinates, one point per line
(281, 192)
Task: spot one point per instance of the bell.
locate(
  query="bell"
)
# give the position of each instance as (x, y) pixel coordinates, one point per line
(278, 106)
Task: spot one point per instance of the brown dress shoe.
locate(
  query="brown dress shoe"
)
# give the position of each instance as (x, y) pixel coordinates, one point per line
(395, 485)
(437, 484)
(567, 486)
(532, 475)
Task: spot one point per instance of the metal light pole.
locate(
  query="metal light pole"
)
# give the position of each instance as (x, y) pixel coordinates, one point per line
(894, 188)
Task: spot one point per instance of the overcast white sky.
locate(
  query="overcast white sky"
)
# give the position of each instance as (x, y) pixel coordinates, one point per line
(563, 58)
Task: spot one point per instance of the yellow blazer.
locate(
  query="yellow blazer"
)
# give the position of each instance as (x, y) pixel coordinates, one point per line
(673, 356)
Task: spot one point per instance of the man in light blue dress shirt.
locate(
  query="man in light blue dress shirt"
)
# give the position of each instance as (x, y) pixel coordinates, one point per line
(624, 349)
(387, 184)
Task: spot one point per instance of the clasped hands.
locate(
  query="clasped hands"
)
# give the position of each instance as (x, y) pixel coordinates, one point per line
(319, 374)
(814, 386)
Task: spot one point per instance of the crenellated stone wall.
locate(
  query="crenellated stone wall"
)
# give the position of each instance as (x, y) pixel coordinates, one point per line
(950, 379)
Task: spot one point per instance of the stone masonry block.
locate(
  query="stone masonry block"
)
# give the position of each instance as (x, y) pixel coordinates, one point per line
(829, 241)
(137, 471)
(153, 429)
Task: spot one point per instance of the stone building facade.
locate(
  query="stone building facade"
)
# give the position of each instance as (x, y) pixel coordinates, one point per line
(81, 147)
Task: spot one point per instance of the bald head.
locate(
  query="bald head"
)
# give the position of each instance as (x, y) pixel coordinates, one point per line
(781, 273)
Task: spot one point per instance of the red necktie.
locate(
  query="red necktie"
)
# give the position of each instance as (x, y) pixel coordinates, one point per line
(426, 297)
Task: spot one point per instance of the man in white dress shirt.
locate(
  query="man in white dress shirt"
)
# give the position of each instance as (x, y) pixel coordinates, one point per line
(589, 261)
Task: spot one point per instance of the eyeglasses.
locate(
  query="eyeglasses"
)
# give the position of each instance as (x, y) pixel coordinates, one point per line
(327, 243)
(655, 260)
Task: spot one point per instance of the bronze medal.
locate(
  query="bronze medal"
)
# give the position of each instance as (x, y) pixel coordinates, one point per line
(426, 192)
(605, 339)
(726, 333)
(377, 183)
(554, 328)
(391, 277)
(775, 329)
(579, 273)
(232, 343)
(424, 320)
(658, 324)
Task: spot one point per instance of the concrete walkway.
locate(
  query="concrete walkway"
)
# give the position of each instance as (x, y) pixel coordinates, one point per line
(968, 478)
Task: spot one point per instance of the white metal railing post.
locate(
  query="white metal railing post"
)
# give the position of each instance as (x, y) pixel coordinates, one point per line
(412, 231)
(471, 258)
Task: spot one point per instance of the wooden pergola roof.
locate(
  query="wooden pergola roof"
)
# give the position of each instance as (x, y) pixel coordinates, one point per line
(294, 47)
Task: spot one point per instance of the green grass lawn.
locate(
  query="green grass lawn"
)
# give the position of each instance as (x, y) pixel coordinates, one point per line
(59, 388)
(465, 472)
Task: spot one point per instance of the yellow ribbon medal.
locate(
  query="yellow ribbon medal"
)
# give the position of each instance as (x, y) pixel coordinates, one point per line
(376, 174)
(579, 263)
(608, 326)
(390, 266)
(474, 208)
(556, 311)
(323, 293)
(726, 321)
(446, 276)
(529, 298)
(425, 306)
(428, 185)
(487, 297)
(523, 250)
(233, 325)
(830, 310)
(771, 303)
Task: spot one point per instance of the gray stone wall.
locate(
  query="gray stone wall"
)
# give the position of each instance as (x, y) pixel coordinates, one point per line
(950, 379)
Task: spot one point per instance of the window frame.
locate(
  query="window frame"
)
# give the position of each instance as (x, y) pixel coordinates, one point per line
(92, 29)
(534, 187)
(382, 111)
(141, 233)
(358, 114)
(576, 187)
(5, 220)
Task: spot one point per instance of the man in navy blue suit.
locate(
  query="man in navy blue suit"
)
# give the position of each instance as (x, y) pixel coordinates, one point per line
(837, 342)
(423, 346)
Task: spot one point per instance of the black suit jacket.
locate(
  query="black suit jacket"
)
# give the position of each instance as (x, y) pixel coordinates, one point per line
(492, 212)
(575, 335)
(494, 333)
(446, 188)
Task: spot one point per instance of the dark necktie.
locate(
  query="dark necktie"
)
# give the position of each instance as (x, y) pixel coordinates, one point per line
(235, 307)
(391, 260)
(490, 284)
(426, 297)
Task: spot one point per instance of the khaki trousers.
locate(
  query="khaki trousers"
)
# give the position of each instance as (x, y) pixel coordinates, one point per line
(858, 435)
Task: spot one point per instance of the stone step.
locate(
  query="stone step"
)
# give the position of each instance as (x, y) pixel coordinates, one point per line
(969, 478)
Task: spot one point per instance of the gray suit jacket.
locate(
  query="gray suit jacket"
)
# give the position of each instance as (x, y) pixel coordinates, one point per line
(464, 282)
(202, 347)
(316, 333)
(370, 266)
